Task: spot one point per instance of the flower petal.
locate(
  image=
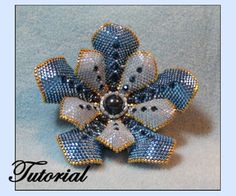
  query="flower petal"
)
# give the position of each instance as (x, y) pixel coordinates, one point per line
(116, 136)
(149, 147)
(178, 85)
(91, 70)
(80, 147)
(140, 71)
(116, 42)
(154, 114)
(55, 79)
(77, 111)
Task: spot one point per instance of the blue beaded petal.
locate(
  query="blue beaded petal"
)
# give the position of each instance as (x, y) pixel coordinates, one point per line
(80, 147)
(116, 42)
(56, 80)
(177, 85)
(150, 147)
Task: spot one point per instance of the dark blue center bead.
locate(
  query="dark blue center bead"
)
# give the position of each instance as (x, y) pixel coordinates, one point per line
(113, 104)
(143, 109)
(112, 88)
(162, 88)
(116, 44)
(153, 91)
(139, 69)
(96, 98)
(154, 108)
(115, 55)
(115, 66)
(79, 88)
(63, 79)
(99, 78)
(130, 99)
(84, 137)
(103, 119)
(90, 133)
(173, 85)
(143, 132)
(114, 76)
(88, 107)
(142, 97)
(101, 87)
(71, 83)
(95, 68)
(125, 87)
(132, 79)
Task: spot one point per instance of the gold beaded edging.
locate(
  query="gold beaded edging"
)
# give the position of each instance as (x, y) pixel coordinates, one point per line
(109, 145)
(99, 29)
(38, 79)
(155, 129)
(76, 163)
(155, 161)
(195, 90)
(110, 23)
(145, 53)
(82, 52)
(81, 55)
(72, 120)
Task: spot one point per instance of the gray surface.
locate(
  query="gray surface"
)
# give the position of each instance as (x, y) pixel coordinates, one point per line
(182, 36)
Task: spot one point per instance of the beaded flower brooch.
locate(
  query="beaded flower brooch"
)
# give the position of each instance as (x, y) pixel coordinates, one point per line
(115, 98)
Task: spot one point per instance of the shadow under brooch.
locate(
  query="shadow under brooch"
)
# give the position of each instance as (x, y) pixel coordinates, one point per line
(115, 98)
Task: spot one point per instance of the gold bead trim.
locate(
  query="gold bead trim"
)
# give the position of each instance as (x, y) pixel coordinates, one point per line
(109, 145)
(81, 56)
(154, 161)
(155, 129)
(74, 121)
(76, 163)
(38, 79)
(110, 23)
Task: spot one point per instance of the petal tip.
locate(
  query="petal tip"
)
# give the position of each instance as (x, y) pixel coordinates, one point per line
(127, 28)
(195, 89)
(38, 78)
(109, 145)
(84, 161)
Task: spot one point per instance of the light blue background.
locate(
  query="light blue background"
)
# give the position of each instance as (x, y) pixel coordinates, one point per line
(228, 95)
(184, 36)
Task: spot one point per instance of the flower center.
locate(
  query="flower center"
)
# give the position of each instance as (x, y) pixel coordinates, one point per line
(113, 104)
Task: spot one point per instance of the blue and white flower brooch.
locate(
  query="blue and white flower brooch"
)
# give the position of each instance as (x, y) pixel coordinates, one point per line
(115, 98)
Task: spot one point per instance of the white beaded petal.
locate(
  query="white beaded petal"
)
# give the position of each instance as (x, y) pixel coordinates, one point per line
(116, 136)
(91, 70)
(140, 71)
(153, 114)
(77, 111)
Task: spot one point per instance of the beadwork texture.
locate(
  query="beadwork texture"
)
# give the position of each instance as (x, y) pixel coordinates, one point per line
(78, 111)
(92, 60)
(115, 98)
(153, 114)
(116, 42)
(140, 71)
(116, 136)
(56, 80)
(177, 85)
